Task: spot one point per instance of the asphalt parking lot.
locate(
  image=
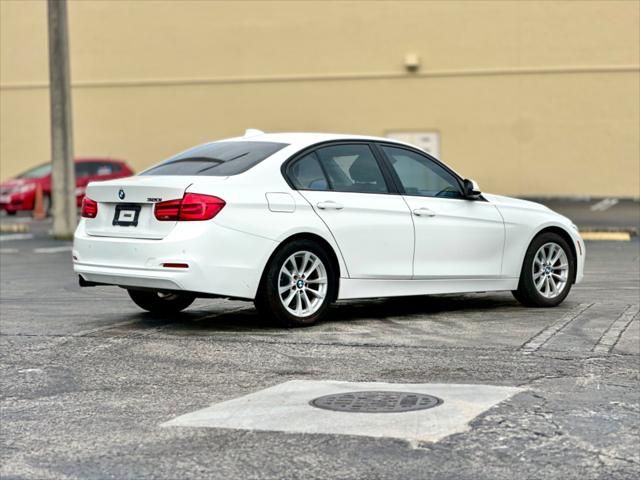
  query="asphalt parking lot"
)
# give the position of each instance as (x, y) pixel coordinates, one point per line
(92, 387)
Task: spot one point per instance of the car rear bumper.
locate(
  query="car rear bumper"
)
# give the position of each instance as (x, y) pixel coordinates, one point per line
(220, 261)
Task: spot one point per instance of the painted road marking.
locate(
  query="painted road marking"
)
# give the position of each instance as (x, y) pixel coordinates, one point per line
(285, 408)
(14, 228)
(615, 330)
(9, 250)
(66, 248)
(616, 236)
(545, 335)
(603, 205)
(90, 331)
(16, 236)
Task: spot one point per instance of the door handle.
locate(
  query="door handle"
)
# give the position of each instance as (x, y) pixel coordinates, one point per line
(424, 212)
(329, 205)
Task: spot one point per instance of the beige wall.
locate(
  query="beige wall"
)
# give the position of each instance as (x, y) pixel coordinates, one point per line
(530, 98)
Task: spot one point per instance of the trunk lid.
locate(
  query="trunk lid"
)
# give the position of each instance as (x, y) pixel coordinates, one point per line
(126, 205)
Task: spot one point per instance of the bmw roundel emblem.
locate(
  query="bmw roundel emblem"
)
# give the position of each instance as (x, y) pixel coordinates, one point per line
(121, 194)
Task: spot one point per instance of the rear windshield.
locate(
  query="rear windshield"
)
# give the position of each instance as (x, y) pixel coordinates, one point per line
(218, 159)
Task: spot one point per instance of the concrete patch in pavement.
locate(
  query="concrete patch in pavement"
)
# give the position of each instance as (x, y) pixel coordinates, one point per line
(286, 408)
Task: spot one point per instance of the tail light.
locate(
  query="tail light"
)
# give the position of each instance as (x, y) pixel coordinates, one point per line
(193, 206)
(89, 208)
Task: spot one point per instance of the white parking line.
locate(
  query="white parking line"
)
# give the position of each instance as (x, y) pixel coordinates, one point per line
(90, 331)
(545, 335)
(611, 336)
(16, 236)
(603, 205)
(66, 248)
(9, 250)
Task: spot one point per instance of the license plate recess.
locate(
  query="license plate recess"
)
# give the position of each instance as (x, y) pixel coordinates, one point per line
(126, 215)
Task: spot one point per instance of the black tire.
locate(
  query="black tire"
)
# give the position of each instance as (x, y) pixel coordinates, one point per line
(161, 302)
(527, 292)
(268, 301)
(11, 212)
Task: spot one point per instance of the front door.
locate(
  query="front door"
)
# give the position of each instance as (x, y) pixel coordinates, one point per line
(455, 237)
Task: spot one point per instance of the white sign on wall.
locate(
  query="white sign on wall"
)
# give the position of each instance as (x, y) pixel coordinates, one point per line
(428, 141)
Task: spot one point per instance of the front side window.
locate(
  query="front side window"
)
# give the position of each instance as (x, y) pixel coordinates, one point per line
(352, 168)
(216, 159)
(421, 176)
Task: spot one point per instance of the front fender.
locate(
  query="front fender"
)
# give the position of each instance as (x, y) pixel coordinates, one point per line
(519, 236)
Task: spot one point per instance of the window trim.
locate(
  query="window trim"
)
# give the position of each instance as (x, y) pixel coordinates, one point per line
(322, 169)
(392, 187)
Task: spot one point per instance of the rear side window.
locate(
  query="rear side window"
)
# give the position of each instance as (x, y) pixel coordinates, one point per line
(352, 168)
(107, 168)
(218, 159)
(306, 174)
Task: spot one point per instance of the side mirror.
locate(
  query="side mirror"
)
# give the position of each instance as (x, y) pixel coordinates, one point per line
(471, 189)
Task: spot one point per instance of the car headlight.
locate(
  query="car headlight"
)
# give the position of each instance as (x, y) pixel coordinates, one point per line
(27, 187)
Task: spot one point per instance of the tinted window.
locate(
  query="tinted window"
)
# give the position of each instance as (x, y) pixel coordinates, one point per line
(106, 168)
(306, 174)
(421, 176)
(217, 159)
(84, 169)
(37, 172)
(352, 168)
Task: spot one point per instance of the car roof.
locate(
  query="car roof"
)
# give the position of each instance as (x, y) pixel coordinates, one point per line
(304, 139)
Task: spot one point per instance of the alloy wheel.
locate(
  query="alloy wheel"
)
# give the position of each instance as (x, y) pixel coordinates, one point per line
(550, 270)
(302, 283)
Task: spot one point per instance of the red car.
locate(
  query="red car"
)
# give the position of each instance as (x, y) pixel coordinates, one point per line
(20, 193)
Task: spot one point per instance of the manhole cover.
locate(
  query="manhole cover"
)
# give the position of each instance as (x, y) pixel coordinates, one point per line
(376, 402)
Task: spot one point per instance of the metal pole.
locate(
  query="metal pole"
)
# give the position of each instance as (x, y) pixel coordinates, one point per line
(63, 175)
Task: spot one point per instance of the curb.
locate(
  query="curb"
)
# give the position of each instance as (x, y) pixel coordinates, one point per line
(606, 236)
(14, 228)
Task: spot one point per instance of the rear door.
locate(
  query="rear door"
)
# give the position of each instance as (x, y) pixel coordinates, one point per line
(455, 237)
(371, 225)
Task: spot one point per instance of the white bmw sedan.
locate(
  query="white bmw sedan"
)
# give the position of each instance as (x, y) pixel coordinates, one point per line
(296, 221)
